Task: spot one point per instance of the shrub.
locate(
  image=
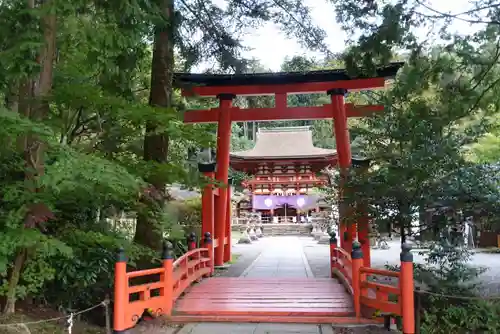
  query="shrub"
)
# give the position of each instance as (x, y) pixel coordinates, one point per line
(187, 214)
(443, 315)
(87, 277)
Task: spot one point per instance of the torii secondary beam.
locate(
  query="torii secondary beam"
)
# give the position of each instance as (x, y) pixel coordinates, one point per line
(281, 113)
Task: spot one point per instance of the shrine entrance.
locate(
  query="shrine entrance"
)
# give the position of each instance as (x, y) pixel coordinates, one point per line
(286, 213)
(348, 289)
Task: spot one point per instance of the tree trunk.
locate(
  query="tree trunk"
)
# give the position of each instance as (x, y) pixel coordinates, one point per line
(405, 226)
(33, 104)
(15, 274)
(148, 229)
(403, 233)
(404, 217)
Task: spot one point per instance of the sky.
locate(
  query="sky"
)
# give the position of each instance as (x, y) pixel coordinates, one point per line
(271, 46)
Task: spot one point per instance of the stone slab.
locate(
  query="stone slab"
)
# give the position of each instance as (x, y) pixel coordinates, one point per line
(247, 328)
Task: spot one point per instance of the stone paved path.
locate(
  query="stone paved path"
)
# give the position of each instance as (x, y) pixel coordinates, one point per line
(246, 256)
(316, 256)
(222, 328)
(281, 257)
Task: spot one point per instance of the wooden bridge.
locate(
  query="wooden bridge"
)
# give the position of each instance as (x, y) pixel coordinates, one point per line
(278, 287)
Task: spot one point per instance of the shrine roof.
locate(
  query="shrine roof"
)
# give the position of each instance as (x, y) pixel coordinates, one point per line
(278, 78)
(285, 142)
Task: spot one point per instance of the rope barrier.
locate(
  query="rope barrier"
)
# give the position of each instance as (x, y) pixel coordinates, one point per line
(69, 318)
(435, 294)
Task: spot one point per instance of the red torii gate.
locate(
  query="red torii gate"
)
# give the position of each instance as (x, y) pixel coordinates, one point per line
(225, 87)
(349, 263)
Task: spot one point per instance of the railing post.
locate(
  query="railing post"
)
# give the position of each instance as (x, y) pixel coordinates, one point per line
(191, 239)
(407, 293)
(207, 241)
(357, 263)
(121, 297)
(168, 271)
(333, 253)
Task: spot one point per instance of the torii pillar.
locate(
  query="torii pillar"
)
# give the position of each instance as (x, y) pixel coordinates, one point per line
(347, 230)
(363, 220)
(221, 175)
(207, 199)
(207, 206)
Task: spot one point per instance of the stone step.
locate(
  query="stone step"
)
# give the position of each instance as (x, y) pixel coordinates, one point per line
(280, 229)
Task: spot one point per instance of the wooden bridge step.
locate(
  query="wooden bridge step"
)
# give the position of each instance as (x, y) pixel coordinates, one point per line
(272, 319)
(299, 311)
(272, 297)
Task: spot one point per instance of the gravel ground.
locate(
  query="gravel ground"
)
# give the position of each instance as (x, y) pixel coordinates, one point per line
(490, 280)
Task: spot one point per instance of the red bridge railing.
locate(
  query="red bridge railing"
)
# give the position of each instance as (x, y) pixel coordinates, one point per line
(372, 296)
(341, 263)
(164, 285)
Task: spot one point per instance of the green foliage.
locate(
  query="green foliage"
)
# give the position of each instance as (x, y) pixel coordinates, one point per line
(447, 270)
(188, 215)
(239, 142)
(91, 178)
(91, 137)
(480, 316)
(417, 145)
(187, 218)
(441, 120)
(486, 149)
(72, 179)
(90, 269)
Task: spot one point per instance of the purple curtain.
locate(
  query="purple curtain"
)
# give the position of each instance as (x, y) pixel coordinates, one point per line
(268, 202)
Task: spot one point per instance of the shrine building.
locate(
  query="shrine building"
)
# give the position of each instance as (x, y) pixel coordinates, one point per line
(285, 167)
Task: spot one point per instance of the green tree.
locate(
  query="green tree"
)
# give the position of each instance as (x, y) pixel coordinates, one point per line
(92, 127)
(418, 143)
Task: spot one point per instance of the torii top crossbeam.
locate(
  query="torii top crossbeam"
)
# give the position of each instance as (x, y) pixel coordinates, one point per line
(280, 85)
(281, 82)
